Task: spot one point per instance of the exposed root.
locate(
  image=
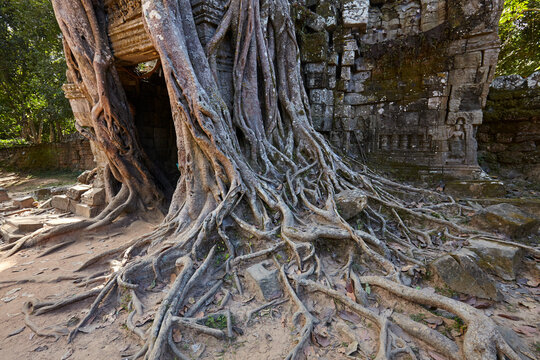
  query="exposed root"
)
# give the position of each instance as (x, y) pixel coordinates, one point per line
(309, 320)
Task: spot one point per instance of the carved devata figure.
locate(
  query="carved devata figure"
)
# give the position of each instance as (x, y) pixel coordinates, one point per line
(256, 180)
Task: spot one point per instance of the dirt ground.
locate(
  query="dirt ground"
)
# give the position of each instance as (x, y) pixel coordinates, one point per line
(270, 335)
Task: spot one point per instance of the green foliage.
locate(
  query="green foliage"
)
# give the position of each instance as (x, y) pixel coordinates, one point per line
(519, 29)
(219, 322)
(32, 71)
(7, 143)
(418, 317)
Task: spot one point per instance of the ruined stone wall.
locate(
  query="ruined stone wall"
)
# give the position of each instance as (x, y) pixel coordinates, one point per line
(509, 138)
(400, 83)
(72, 155)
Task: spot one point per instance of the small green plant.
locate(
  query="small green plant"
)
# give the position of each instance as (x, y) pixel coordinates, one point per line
(219, 322)
(459, 325)
(125, 301)
(418, 317)
(446, 291)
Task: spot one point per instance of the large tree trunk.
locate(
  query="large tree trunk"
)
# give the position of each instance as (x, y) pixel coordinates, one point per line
(260, 170)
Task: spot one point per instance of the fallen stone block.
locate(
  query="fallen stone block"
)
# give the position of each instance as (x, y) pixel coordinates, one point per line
(350, 203)
(60, 202)
(24, 202)
(41, 194)
(498, 259)
(9, 233)
(86, 177)
(87, 211)
(460, 273)
(475, 188)
(94, 197)
(25, 224)
(76, 191)
(265, 281)
(4, 195)
(507, 219)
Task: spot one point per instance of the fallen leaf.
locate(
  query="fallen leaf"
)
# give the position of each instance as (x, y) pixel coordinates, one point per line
(349, 316)
(349, 286)
(482, 304)
(177, 336)
(533, 283)
(526, 330)
(510, 317)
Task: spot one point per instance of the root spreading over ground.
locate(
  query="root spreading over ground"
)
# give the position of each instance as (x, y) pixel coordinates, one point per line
(257, 181)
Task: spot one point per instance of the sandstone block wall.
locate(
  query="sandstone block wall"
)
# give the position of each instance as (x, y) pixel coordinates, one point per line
(73, 155)
(403, 83)
(509, 138)
(399, 83)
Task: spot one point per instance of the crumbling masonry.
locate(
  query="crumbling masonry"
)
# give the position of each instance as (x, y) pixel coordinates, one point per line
(400, 84)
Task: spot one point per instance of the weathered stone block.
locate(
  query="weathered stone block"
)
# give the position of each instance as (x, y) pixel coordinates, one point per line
(348, 58)
(314, 47)
(498, 259)
(94, 197)
(322, 96)
(350, 203)
(460, 273)
(84, 178)
(24, 202)
(265, 280)
(468, 60)
(355, 13)
(4, 195)
(26, 224)
(507, 219)
(87, 211)
(60, 202)
(76, 191)
(476, 188)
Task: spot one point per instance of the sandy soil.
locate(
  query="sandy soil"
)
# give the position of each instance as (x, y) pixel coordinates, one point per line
(270, 335)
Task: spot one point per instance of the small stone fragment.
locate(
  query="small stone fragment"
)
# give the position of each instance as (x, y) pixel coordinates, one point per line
(24, 202)
(350, 203)
(264, 280)
(76, 191)
(4, 195)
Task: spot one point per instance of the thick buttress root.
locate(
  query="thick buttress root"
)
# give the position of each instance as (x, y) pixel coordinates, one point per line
(254, 170)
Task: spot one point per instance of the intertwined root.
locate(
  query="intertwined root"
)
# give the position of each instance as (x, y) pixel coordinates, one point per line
(257, 170)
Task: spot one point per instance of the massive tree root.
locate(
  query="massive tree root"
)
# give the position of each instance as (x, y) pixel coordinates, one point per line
(256, 171)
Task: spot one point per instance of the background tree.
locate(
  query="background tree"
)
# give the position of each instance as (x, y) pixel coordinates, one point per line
(32, 71)
(519, 30)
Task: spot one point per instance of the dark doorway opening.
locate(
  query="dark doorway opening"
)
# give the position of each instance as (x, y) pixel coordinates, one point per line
(149, 100)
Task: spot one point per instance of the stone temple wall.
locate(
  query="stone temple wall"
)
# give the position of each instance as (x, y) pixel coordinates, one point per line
(75, 154)
(400, 83)
(509, 138)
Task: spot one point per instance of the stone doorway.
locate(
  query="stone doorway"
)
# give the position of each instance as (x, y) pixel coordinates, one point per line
(148, 98)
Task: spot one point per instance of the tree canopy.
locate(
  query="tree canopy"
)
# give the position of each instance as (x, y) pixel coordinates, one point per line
(32, 71)
(520, 36)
